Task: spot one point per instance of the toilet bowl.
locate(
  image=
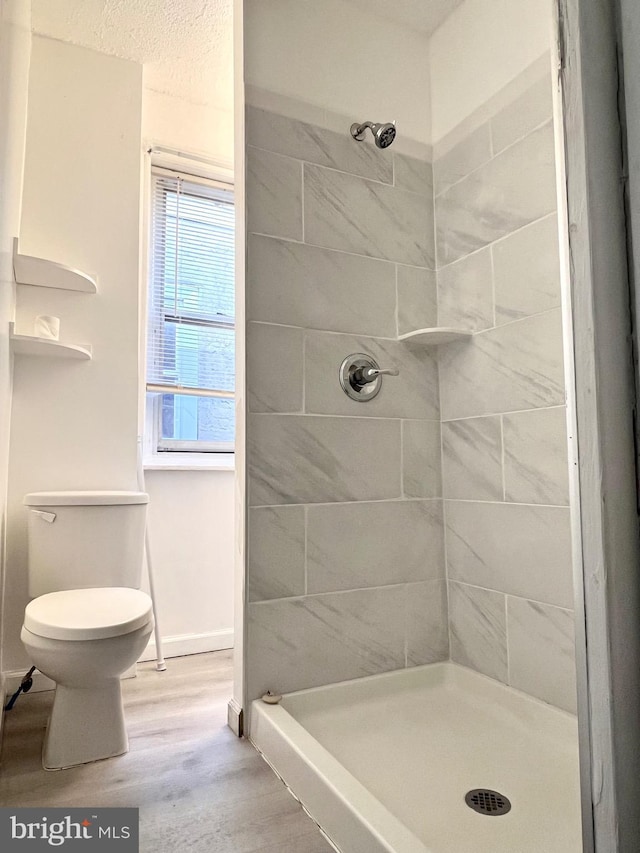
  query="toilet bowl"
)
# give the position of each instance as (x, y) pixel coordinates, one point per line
(84, 639)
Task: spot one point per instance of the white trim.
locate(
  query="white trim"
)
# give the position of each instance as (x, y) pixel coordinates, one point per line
(190, 164)
(235, 718)
(190, 644)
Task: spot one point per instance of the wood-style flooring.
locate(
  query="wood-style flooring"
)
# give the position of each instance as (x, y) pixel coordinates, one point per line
(198, 787)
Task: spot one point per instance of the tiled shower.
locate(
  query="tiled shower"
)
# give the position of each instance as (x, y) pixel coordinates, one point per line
(432, 522)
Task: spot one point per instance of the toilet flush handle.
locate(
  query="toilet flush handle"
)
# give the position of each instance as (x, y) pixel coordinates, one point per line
(45, 516)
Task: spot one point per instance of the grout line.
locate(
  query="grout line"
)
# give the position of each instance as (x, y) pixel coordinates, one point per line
(493, 286)
(402, 491)
(504, 237)
(348, 503)
(362, 417)
(324, 331)
(372, 258)
(406, 625)
(506, 637)
(393, 585)
(315, 165)
(304, 371)
(506, 503)
(547, 121)
(339, 502)
(502, 460)
(510, 412)
(511, 594)
(397, 305)
(302, 199)
(306, 543)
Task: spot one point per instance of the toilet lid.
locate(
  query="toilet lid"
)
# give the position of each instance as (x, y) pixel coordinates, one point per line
(88, 614)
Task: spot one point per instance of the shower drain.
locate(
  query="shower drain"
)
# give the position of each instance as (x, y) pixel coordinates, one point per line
(484, 801)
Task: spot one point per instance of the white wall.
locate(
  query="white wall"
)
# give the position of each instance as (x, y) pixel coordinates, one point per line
(187, 126)
(15, 54)
(337, 57)
(191, 518)
(478, 50)
(74, 424)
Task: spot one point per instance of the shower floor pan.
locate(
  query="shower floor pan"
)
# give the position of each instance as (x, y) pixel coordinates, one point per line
(383, 763)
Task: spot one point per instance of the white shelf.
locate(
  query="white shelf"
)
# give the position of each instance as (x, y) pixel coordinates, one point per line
(436, 335)
(41, 272)
(44, 347)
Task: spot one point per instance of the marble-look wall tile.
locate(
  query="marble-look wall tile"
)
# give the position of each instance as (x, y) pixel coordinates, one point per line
(417, 299)
(350, 546)
(513, 367)
(356, 215)
(465, 292)
(300, 285)
(276, 565)
(274, 194)
(533, 108)
(535, 457)
(477, 626)
(412, 174)
(274, 368)
(462, 159)
(305, 459)
(427, 622)
(411, 394)
(319, 639)
(472, 459)
(314, 144)
(526, 268)
(511, 190)
(421, 465)
(542, 651)
(518, 549)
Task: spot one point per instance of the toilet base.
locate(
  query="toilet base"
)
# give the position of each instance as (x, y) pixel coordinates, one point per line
(86, 724)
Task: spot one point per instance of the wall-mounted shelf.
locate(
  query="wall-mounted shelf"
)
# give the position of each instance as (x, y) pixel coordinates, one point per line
(434, 336)
(41, 272)
(44, 347)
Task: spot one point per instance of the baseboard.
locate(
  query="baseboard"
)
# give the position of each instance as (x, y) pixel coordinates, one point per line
(190, 644)
(235, 718)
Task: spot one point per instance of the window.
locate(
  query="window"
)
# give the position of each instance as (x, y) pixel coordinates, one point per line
(191, 322)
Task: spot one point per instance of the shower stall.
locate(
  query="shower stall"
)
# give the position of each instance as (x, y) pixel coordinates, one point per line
(413, 552)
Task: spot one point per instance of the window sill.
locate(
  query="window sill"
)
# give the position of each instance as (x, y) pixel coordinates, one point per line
(190, 462)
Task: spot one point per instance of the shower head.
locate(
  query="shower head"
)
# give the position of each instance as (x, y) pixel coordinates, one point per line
(383, 134)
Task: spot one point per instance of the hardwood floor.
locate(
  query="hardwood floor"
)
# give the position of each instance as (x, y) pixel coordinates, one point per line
(198, 787)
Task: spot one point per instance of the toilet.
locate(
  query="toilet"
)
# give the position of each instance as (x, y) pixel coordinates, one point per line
(87, 621)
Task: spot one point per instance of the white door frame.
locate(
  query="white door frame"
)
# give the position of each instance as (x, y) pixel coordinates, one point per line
(608, 606)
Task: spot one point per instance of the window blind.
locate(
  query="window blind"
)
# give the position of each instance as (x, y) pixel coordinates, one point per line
(191, 337)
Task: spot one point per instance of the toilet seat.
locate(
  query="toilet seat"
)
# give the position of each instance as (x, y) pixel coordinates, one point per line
(88, 614)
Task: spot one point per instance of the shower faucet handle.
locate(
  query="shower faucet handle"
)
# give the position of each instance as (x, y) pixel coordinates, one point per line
(362, 375)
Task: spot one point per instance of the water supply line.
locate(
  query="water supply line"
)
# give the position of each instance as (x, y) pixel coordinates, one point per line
(160, 664)
(25, 686)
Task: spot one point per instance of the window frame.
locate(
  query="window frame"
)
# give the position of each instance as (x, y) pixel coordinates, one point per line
(159, 453)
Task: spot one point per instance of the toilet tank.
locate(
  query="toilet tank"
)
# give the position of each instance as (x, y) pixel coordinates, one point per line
(84, 539)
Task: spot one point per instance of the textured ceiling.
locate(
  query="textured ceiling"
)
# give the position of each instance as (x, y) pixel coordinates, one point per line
(423, 15)
(186, 46)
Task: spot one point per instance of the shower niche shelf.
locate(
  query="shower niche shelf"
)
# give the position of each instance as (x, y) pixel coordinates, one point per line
(436, 335)
(44, 347)
(41, 272)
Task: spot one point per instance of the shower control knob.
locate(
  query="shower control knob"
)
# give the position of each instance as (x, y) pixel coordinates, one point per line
(361, 376)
